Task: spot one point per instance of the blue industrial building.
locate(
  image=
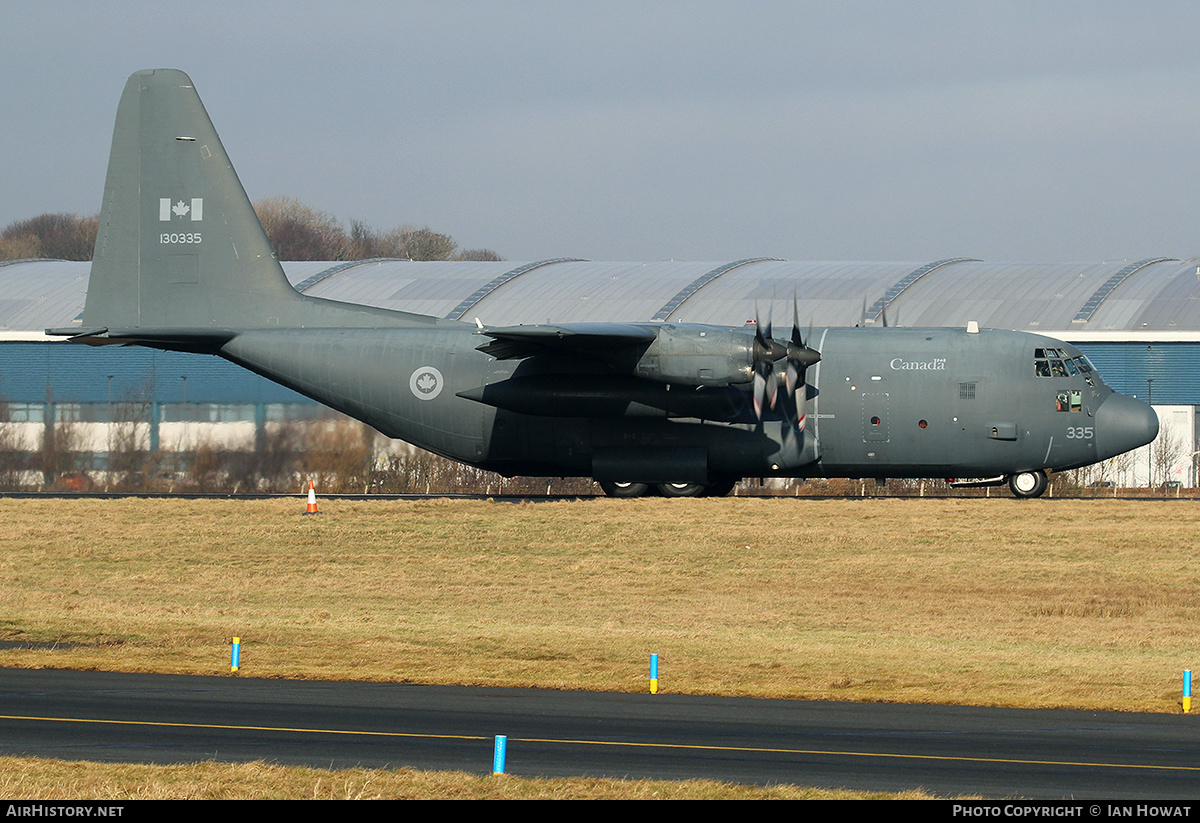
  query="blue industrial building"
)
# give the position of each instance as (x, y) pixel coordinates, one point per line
(1138, 321)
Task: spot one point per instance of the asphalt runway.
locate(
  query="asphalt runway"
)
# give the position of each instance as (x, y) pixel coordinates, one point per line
(947, 750)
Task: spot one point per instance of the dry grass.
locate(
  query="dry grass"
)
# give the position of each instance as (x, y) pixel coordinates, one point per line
(29, 778)
(1075, 603)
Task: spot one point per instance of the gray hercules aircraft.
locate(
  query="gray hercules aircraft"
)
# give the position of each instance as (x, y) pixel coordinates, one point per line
(182, 263)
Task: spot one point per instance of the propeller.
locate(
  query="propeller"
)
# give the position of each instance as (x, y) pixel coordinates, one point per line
(766, 352)
(799, 354)
(799, 357)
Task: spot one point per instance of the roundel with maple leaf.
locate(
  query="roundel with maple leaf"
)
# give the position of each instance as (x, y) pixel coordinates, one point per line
(426, 383)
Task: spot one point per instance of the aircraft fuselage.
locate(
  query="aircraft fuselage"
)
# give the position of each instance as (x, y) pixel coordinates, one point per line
(881, 403)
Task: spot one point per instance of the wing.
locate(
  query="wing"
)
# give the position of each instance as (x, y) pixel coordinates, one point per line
(592, 339)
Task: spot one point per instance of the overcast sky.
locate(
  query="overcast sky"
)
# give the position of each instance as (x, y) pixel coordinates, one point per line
(653, 130)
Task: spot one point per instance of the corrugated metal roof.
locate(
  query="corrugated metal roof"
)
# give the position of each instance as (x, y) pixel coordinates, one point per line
(41, 294)
(408, 285)
(1149, 296)
(1169, 300)
(585, 292)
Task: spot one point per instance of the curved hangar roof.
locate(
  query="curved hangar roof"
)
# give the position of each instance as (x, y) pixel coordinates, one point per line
(1158, 298)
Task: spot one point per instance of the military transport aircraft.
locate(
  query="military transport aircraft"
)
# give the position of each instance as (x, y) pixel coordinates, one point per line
(182, 263)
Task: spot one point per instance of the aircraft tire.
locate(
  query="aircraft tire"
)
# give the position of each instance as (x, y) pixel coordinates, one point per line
(1028, 484)
(624, 490)
(681, 489)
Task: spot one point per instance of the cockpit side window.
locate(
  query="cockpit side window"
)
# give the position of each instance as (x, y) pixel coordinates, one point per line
(1060, 363)
(1070, 400)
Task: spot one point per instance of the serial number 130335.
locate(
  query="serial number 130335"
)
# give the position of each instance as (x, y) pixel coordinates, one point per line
(170, 238)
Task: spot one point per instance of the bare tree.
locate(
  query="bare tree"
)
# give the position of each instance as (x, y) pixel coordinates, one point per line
(1169, 451)
(479, 255)
(295, 230)
(299, 232)
(58, 236)
(59, 455)
(364, 242)
(337, 455)
(403, 242)
(12, 454)
(426, 244)
(24, 247)
(277, 456)
(130, 464)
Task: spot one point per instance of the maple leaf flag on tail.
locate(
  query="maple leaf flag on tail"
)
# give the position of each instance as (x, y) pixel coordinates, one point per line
(181, 209)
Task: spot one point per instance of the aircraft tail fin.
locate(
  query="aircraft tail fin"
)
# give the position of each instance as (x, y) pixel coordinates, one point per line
(179, 245)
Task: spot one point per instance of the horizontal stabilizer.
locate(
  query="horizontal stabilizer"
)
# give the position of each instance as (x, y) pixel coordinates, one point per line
(74, 332)
(206, 341)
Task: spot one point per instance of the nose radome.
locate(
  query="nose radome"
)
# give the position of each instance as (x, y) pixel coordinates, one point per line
(1123, 424)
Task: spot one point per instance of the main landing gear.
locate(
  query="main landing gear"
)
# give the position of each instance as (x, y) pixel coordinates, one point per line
(718, 488)
(1023, 485)
(1028, 484)
(624, 489)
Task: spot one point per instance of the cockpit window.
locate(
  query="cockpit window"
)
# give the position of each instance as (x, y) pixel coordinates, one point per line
(1060, 363)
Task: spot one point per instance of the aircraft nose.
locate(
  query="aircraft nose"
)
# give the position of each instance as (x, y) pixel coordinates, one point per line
(1123, 424)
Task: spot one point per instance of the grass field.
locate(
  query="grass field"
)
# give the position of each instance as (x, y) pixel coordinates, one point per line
(1070, 603)
(24, 778)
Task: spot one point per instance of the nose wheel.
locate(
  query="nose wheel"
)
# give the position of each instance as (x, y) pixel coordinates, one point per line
(1028, 484)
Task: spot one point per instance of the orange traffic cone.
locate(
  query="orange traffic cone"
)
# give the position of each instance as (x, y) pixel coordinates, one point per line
(312, 499)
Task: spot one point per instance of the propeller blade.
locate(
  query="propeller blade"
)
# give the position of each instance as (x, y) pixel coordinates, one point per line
(799, 357)
(766, 352)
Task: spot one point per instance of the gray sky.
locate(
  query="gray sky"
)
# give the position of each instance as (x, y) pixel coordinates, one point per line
(653, 130)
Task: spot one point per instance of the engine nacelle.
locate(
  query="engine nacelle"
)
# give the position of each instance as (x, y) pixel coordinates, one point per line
(698, 356)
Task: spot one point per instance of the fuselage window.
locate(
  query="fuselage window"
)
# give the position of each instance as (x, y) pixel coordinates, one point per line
(1068, 401)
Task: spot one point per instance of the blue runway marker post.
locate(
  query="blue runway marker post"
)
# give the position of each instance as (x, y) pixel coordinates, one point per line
(654, 674)
(235, 655)
(1187, 691)
(498, 754)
